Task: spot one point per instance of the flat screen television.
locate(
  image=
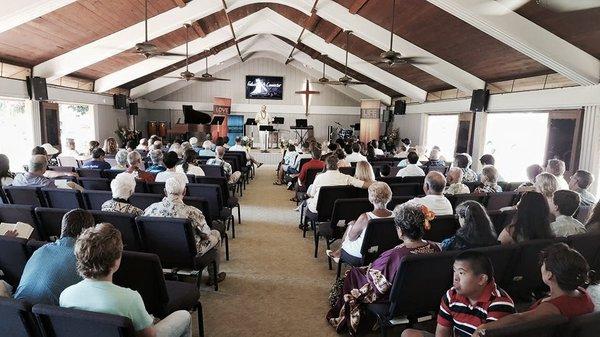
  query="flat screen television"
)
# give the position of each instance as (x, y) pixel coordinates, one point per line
(264, 87)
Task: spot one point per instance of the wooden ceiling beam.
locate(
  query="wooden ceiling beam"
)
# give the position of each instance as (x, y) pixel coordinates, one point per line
(312, 22)
(237, 47)
(180, 3)
(334, 33)
(197, 27)
(357, 6)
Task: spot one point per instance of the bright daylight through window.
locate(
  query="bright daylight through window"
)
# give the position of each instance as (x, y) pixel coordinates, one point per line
(516, 140)
(441, 131)
(16, 132)
(76, 122)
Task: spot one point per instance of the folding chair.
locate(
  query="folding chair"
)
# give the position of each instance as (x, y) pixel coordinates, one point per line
(125, 223)
(13, 257)
(50, 222)
(95, 199)
(98, 184)
(25, 195)
(63, 198)
(17, 319)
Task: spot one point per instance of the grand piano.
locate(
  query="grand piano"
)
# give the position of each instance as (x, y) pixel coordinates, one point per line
(199, 128)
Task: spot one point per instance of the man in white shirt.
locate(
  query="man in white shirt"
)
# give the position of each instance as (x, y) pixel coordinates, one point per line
(355, 156)
(238, 147)
(564, 205)
(434, 199)
(412, 169)
(170, 160)
(557, 168)
(377, 150)
(331, 177)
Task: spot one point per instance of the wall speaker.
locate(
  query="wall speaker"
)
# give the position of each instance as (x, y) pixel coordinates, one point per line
(37, 88)
(400, 108)
(133, 109)
(385, 115)
(479, 100)
(119, 101)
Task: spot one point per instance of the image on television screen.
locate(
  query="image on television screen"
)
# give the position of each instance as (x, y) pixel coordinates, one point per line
(264, 87)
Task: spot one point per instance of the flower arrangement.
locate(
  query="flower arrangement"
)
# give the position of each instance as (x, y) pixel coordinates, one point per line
(126, 135)
(429, 215)
(391, 139)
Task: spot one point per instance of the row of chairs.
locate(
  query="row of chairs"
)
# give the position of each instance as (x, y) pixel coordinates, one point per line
(219, 201)
(516, 270)
(141, 272)
(172, 240)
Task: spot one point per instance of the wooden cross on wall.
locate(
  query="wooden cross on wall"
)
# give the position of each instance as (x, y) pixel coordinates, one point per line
(307, 92)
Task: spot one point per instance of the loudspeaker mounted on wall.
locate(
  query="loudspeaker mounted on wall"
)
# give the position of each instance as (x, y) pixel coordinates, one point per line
(37, 88)
(120, 101)
(400, 108)
(132, 110)
(479, 100)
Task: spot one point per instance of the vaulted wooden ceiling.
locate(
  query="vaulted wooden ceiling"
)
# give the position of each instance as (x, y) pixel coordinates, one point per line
(419, 22)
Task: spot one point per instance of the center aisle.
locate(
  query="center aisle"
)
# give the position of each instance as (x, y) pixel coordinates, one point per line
(274, 286)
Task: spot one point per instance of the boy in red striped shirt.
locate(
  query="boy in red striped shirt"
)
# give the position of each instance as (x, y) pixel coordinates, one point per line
(473, 300)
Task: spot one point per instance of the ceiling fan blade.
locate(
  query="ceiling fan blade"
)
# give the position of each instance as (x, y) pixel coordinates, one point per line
(220, 79)
(167, 54)
(174, 77)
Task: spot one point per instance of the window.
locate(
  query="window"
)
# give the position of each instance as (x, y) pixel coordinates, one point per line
(76, 122)
(16, 130)
(441, 131)
(516, 140)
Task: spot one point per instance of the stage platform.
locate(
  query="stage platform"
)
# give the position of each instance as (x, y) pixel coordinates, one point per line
(273, 157)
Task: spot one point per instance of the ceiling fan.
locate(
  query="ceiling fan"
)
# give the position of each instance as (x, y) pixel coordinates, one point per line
(146, 48)
(553, 5)
(344, 80)
(392, 58)
(187, 75)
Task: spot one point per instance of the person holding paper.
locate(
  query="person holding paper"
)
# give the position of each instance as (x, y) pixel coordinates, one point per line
(52, 268)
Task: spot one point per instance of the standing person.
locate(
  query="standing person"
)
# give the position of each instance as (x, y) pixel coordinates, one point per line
(473, 300)
(565, 272)
(263, 118)
(98, 251)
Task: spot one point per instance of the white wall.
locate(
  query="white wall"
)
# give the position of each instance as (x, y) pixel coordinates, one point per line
(411, 126)
(293, 80)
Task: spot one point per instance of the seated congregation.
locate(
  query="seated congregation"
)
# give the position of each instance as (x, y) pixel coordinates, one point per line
(115, 211)
(485, 232)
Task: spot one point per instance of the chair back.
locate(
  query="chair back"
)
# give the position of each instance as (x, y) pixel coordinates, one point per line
(143, 273)
(63, 198)
(406, 189)
(98, 184)
(349, 209)
(222, 182)
(17, 320)
(544, 327)
(416, 180)
(348, 170)
(495, 201)
(143, 200)
(68, 161)
(95, 199)
(125, 223)
(511, 186)
(457, 199)
(440, 169)
(502, 258)
(414, 272)
(311, 174)
(391, 180)
(587, 325)
(380, 235)
(442, 227)
(211, 193)
(62, 322)
(22, 213)
(25, 195)
(203, 205)
(501, 219)
(526, 277)
(329, 194)
(66, 169)
(13, 257)
(302, 162)
(156, 188)
(111, 174)
(50, 222)
(33, 245)
(472, 185)
(587, 245)
(213, 170)
(3, 199)
(89, 173)
(171, 239)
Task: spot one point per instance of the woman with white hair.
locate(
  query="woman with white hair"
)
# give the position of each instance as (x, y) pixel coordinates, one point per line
(380, 195)
(122, 188)
(121, 159)
(207, 149)
(143, 145)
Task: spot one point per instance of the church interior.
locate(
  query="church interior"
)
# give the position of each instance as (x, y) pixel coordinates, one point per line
(299, 168)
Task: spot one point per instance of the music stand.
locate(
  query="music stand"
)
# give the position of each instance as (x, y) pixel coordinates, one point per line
(250, 122)
(278, 120)
(217, 120)
(269, 129)
(301, 123)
